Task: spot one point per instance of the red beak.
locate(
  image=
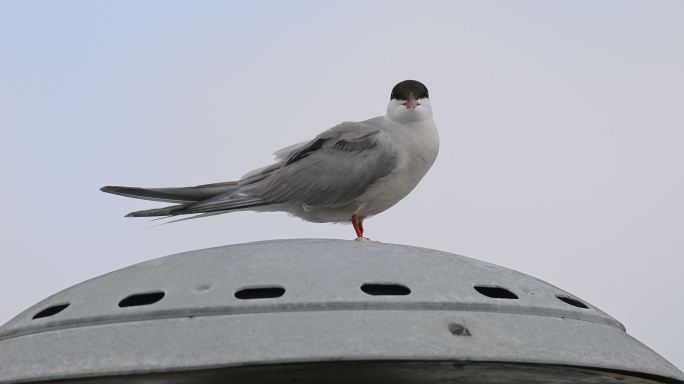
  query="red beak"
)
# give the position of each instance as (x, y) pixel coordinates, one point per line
(411, 103)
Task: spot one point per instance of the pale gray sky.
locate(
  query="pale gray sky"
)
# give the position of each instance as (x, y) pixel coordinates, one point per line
(562, 128)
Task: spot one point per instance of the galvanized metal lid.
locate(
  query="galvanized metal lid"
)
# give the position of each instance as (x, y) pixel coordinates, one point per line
(321, 310)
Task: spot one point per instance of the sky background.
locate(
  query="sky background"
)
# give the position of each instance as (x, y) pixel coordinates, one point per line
(561, 124)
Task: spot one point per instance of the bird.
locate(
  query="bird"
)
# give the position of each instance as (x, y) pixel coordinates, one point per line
(346, 174)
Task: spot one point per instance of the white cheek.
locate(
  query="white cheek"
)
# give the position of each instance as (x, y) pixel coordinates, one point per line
(399, 113)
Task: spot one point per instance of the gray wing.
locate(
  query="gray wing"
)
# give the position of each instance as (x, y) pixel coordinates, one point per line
(332, 170)
(335, 168)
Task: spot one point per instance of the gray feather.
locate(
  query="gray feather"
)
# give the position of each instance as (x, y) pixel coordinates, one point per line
(332, 170)
(173, 195)
(164, 211)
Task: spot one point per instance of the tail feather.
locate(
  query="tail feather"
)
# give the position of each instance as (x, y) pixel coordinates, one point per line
(197, 216)
(208, 199)
(173, 195)
(164, 211)
(233, 204)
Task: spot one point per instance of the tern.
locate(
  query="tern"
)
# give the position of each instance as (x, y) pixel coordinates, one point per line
(348, 173)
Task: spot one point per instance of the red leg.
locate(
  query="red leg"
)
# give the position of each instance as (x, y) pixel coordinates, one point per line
(358, 225)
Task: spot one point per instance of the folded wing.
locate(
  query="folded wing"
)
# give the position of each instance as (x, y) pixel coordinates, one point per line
(332, 170)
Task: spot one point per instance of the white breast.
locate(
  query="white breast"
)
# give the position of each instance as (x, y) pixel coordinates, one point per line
(417, 145)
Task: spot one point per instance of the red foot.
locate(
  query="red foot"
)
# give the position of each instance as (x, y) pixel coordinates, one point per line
(358, 225)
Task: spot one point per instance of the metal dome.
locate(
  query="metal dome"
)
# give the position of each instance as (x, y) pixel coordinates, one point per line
(321, 311)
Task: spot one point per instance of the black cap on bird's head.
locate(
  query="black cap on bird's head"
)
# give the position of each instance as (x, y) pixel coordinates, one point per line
(409, 91)
(406, 88)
